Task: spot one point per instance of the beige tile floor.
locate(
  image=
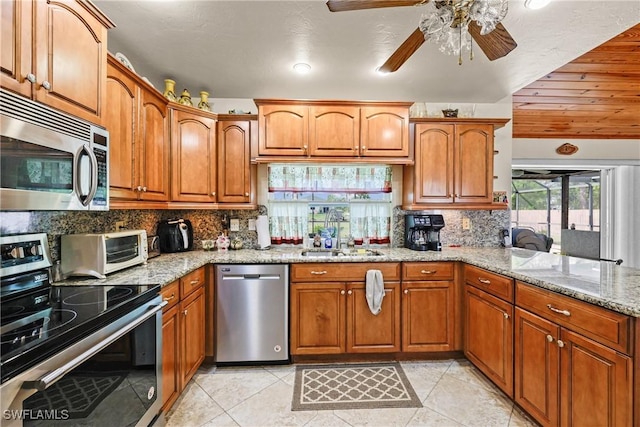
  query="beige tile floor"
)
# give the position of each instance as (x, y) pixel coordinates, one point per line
(453, 393)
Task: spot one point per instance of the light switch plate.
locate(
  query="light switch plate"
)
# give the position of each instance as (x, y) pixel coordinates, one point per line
(234, 225)
(466, 224)
(252, 224)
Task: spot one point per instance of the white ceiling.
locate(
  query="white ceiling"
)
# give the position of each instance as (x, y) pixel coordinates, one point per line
(246, 49)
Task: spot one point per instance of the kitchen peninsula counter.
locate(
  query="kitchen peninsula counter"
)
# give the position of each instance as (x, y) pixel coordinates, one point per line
(598, 282)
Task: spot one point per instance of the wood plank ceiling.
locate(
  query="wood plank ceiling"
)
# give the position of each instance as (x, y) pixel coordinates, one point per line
(596, 96)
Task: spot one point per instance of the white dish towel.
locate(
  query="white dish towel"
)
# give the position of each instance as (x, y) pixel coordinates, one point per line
(374, 290)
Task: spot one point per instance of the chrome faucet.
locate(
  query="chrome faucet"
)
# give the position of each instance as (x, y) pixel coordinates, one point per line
(334, 217)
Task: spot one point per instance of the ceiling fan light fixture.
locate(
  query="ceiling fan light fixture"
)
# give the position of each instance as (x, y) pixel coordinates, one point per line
(302, 68)
(536, 4)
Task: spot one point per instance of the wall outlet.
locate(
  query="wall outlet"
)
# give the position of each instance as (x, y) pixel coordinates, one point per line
(252, 224)
(234, 224)
(466, 223)
(119, 225)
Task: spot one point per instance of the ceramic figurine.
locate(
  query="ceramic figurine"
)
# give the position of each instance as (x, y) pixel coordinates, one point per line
(185, 98)
(223, 242)
(204, 101)
(236, 244)
(170, 90)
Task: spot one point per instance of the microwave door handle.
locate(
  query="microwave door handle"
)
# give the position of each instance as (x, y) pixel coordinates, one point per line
(86, 152)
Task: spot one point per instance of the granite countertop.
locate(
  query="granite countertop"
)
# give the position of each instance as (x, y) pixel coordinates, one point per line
(598, 282)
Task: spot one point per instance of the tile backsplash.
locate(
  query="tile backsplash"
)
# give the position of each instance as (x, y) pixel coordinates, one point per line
(485, 225)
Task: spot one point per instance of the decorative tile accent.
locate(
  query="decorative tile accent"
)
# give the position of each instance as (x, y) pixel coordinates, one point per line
(352, 386)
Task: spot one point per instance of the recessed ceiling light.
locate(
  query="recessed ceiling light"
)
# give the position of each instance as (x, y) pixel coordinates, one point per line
(302, 68)
(536, 4)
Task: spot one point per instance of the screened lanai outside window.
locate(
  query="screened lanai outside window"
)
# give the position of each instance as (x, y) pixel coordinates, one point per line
(537, 204)
(332, 201)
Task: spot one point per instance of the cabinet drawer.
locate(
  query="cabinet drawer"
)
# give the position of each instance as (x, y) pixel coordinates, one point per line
(605, 326)
(427, 271)
(342, 272)
(171, 294)
(191, 282)
(497, 285)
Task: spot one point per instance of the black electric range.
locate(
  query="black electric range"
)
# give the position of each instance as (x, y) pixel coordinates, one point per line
(37, 319)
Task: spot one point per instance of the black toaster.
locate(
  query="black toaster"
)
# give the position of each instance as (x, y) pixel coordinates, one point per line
(176, 235)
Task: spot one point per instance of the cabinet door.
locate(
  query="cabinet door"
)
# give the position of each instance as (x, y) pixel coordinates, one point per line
(284, 130)
(192, 334)
(369, 333)
(170, 359)
(384, 131)
(489, 336)
(121, 121)
(474, 163)
(334, 131)
(193, 158)
(596, 383)
(317, 318)
(428, 316)
(15, 45)
(71, 58)
(434, 163)
(537, 367)
(234, 169)
(153, 143)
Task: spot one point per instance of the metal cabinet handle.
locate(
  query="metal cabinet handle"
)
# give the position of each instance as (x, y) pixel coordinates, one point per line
(557, 310)
(505, 315)
(406, 291)
(31, 77)
(427, 271)
(364, 148)
(318, 272)
(342, 292)
(185, 312)
(246, 194)
(139, 188)
(349, 292)
(169, 298)
(549, 338)
(195, 282)
(46, 85)
(485, 281)
(213, 193)
(144, 189)
(560, 343)
(304, 147)
(356, 148)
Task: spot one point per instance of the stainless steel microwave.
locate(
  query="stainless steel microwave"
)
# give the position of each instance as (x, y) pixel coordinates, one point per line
(50, 160)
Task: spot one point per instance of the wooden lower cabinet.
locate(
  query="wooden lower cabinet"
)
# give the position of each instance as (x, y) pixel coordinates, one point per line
(428, 316)
(183, 333)
(170, 357)
(489, 336)
(334, 318)
(564, 378)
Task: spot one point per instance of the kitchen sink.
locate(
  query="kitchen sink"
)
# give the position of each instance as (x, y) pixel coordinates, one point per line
(326, 253)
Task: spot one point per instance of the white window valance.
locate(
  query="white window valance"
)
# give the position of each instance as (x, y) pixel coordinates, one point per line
(330, 178)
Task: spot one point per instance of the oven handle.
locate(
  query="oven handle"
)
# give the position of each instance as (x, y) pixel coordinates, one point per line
(53, 376)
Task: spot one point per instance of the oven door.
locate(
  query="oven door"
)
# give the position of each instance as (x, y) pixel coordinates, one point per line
(112, 377)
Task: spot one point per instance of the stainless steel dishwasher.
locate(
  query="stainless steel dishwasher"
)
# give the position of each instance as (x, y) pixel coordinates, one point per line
(252, 313)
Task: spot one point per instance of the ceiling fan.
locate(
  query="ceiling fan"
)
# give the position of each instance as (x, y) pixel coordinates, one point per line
(446, 15)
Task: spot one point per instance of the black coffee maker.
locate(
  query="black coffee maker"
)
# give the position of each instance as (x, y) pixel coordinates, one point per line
(422, 232)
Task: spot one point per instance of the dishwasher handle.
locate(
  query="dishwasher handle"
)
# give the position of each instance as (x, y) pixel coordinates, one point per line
(251, 276)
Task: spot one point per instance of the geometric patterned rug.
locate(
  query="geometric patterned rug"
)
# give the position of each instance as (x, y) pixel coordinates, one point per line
(352, 386)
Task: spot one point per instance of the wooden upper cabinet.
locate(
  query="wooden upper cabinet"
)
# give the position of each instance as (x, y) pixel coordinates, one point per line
(16, 43)
(137, 119)
(334, 131)
(59, 48)
(453, 164)
(384, 131)
(234, 168)
(283, 130)
(121, 121)
(193, 156)
(154, 146)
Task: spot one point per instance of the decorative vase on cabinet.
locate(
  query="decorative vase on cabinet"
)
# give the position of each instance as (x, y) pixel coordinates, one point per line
(185, 98)
(170, 90)
(204, 101)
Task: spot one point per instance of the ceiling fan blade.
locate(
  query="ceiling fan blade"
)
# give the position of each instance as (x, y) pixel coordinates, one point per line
(344, 5)
(496, 44)
(404, 52)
